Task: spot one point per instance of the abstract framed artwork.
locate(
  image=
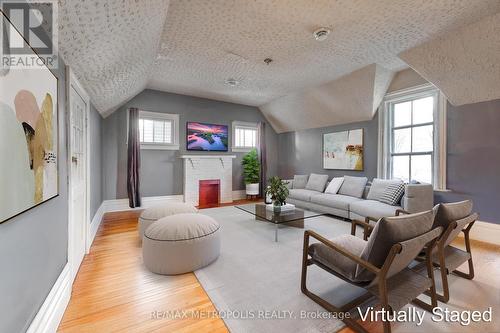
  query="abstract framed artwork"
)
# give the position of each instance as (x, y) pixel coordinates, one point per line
(343, 150)
(28, 136)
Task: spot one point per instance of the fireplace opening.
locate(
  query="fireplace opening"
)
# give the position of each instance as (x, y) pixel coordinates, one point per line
(209, 193)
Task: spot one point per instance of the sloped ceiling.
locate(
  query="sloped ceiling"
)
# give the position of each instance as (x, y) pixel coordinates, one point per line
(464, 64)
(111, 45)
(353, 97)
(118, 47)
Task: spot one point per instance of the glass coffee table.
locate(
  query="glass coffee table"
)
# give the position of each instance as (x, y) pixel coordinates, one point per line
(294, 218)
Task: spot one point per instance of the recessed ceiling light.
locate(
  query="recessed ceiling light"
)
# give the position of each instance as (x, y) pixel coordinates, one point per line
(232, 82)
(321, 34)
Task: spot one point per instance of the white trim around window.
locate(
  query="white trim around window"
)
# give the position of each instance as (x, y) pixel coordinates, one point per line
(170, 130)
(244, 144)
(387, 129)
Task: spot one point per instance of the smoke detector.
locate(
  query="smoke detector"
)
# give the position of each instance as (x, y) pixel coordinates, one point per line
(232, 82)
(321, 34)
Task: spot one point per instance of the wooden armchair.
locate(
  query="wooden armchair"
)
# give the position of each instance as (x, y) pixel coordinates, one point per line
(379, 265)
(453, 218)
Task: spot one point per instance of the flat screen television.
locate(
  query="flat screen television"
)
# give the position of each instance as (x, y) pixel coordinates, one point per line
(206, 137)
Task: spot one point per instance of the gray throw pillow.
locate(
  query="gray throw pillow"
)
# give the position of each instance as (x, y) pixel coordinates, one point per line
(393, 194)
(300, 181)
(379, 186)
(317, 182)
(389, 231)
(353, 186)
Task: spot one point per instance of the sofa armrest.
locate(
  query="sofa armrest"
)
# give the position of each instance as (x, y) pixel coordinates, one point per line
(418, 198)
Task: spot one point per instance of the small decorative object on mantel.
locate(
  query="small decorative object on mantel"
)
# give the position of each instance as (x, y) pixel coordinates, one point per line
(343, 150)
(278, 192)
(251, 172)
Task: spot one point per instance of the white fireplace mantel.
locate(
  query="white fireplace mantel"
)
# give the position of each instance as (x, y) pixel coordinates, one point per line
(204, 167)
(207, 156)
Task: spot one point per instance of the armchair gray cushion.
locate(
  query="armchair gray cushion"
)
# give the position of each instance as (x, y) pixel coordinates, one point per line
(353, 186)
(389, 231)
(300, 181)
(336, 261)
(449, 212)
(317, 182)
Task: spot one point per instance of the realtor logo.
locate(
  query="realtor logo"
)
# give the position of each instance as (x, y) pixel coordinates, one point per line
(29, 34)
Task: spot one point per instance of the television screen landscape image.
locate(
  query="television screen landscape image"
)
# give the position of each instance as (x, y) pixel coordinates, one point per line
(206, 137)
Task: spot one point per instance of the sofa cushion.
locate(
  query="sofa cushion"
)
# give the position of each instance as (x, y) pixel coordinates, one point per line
(379, 186)
(336, 261)
(300, 181)
(393, 194)
(338, 201)
(372, 208)
(334, 185)
(389, 231)
(302, 194)
(353, 186)
(317, 182)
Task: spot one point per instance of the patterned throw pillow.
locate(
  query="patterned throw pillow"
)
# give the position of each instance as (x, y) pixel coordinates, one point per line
(393, 194)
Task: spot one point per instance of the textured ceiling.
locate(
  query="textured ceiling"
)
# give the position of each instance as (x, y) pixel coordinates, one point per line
(119, 47)
(353, 97)
(111, 45)
(464, 64)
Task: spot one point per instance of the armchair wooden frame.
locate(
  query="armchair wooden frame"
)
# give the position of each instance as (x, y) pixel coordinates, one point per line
(381, 276)
(448, 258)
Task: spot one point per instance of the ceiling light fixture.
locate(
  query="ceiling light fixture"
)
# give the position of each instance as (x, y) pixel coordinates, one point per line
(321, 34)
(232, 82)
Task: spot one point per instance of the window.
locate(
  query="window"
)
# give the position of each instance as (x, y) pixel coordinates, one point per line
(159, 130)
(414, 146)
(245, 136)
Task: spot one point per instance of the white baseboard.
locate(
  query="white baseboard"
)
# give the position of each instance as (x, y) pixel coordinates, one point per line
(486, 232)
(50, 314)
(94, 225)
(118, 205)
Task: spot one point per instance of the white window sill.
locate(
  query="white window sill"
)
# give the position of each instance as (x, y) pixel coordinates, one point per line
(444, 190)
(159, 147)
(242, 149)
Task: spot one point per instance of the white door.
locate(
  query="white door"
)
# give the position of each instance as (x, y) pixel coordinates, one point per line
(78, 178)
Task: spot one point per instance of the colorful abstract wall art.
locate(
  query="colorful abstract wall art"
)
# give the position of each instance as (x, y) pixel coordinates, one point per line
(28, 138)
(343, 150)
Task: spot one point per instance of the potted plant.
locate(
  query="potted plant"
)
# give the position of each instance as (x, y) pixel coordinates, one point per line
(278, 191)
(251, 172)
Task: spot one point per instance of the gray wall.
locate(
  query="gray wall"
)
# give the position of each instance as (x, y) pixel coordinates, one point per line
(473, 159)
(161, 171)
(33, 245)
(95, 157)
(300, 152)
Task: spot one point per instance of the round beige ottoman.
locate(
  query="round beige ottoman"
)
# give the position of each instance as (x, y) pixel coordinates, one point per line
(180, 243)
(155, 213)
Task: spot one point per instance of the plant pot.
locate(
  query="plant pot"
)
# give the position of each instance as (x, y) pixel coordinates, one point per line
(252, 189)
(277, 208)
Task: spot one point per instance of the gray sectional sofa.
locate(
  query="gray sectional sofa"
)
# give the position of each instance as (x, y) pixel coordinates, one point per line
(356, 198)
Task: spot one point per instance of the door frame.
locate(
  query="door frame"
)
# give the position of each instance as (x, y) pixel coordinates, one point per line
(72, 82)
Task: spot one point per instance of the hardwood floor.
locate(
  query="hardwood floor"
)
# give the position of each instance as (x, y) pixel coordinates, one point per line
(113, 292)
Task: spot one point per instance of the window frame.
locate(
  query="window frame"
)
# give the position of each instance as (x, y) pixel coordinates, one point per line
(386, 132)
(244, 125)
(174, 118)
